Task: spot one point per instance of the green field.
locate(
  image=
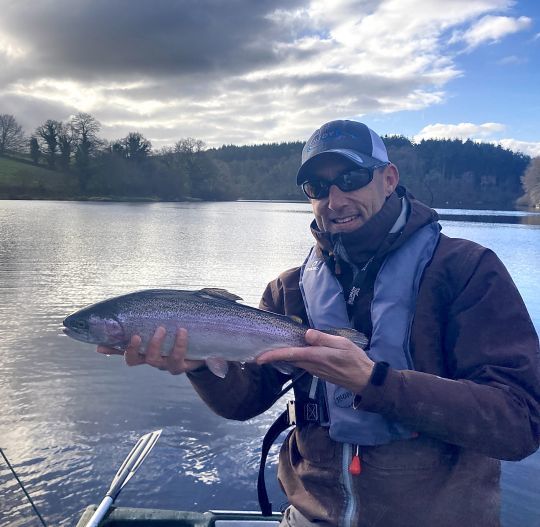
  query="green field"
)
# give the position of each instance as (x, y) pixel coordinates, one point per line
(20, 179)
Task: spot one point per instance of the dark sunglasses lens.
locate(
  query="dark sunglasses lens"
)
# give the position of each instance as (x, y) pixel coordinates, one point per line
(347, 182)
(354, 180)
(315, 189)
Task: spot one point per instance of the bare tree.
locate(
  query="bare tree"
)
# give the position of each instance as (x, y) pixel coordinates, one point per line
(188, 157)
(11, 134)
(48, 133)
(189, 146)
(35, 152)
(85, 129)
(66, 140)
(531, 182)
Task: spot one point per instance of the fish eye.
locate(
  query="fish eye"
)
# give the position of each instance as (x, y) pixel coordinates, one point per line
(81, 324)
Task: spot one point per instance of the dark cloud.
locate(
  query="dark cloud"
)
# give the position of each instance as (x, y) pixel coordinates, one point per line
(84, 39)
(30, 111)
(224, 71)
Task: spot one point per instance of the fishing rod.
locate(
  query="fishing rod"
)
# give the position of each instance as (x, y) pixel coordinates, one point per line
(130, 465)
(22, 487)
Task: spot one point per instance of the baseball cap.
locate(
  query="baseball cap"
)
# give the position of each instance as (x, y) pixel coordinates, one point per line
(351, 140)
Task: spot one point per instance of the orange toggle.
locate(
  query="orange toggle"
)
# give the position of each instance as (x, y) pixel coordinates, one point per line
(355, 468)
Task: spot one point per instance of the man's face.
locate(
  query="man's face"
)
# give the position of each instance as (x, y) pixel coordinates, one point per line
(347, 211)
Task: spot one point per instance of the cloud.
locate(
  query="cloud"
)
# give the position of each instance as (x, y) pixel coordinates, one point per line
(461, 131)
(485, 132)
(237, 71)
(493, 28)
(513, 60)
(525, 147)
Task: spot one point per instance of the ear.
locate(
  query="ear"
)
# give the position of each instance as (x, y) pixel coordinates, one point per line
(391, 179)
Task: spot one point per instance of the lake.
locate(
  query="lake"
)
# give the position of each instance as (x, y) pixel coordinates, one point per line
(69, 416)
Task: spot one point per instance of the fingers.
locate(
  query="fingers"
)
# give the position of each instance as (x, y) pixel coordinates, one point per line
(284, 355)
(318, 338)
(153, 355)
(314, 339)
(178, 353)
(108, 351)
(132, 355)
(174, 362)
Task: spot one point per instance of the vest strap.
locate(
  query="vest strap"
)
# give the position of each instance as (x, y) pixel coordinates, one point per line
(280, 425)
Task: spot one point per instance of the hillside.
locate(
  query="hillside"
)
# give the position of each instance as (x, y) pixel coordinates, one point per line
(20, 179)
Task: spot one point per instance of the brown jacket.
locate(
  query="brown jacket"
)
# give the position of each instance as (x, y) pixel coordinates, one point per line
(474, 398)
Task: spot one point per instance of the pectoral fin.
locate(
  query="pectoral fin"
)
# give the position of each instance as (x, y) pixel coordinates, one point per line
(217, 366)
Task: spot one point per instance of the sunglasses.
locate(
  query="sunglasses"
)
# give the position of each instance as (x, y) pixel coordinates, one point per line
(346, 182)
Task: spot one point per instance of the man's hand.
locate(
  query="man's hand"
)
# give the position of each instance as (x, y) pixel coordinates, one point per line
(334, 359)
(175, 363)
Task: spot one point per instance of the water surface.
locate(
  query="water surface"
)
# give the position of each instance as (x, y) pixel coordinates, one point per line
(68, 416)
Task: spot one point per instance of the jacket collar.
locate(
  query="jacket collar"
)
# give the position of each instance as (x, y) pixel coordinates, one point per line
(400, 216)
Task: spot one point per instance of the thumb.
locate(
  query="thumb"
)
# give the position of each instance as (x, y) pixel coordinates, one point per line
(318, 338)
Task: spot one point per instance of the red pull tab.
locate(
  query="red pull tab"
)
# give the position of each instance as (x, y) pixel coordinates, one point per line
(355, 468)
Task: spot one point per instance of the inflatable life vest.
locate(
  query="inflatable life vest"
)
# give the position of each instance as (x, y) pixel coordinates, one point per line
(392, 312)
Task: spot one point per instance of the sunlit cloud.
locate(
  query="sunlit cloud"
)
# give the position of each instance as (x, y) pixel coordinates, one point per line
(485, 132)
(525, 147)
(11, 50)
(493, 28)
(461, 131)
(268, 73)
(513, 60)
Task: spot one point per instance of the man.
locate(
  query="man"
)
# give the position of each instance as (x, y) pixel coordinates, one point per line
(409, 433)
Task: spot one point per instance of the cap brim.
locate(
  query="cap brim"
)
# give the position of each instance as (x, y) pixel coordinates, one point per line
(360, 160)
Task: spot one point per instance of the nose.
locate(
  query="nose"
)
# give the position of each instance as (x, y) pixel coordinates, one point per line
(336, 198)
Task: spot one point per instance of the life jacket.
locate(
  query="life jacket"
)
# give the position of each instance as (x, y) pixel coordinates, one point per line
(392, 312)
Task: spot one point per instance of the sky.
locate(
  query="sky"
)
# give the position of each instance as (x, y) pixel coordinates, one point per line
(259, 71)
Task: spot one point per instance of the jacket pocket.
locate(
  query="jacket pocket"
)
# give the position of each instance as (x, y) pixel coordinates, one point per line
(313, 444)
(421, 453)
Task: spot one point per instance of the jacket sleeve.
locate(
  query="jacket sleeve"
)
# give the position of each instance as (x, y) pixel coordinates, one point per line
(248, 390)
(491, 403)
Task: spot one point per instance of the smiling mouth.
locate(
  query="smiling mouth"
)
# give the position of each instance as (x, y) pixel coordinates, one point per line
(346, 219)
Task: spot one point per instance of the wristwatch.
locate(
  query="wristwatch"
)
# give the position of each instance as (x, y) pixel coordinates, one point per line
(379, 373)
(377, 378)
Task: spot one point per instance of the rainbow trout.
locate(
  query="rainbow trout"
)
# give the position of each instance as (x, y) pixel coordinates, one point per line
(219, 328)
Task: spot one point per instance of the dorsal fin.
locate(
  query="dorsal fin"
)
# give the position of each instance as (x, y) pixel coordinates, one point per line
(222, 294)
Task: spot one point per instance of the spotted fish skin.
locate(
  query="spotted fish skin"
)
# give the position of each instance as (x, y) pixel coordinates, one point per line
(218, 326)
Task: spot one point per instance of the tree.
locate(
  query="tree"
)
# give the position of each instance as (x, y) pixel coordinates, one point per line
(531, 183)
(35, 152)
(87, 144)
(187, 155)
(66, 139)
(85, 129)
(11, 134)
(48, 133)
(136, 147)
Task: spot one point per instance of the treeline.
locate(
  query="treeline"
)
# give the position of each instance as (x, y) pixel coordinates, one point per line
(443, 173)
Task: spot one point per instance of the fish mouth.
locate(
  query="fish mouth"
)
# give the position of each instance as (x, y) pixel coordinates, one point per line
(77, 335)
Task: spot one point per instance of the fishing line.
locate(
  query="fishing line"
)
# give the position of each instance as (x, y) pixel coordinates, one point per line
(22, 487)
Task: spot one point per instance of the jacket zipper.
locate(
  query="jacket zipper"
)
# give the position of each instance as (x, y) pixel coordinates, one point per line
(350, 500)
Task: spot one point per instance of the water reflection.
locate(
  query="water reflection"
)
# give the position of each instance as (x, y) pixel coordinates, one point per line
(69, 416)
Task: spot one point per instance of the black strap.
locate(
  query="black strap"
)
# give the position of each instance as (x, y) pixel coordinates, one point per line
(279, 425)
